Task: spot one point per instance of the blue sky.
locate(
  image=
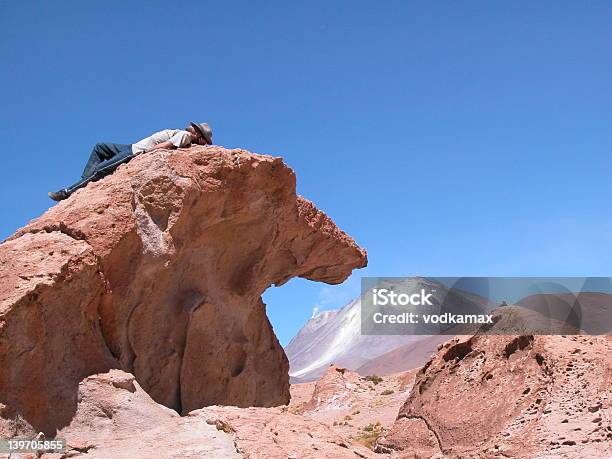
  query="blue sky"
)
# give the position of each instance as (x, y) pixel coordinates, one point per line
(448, 138)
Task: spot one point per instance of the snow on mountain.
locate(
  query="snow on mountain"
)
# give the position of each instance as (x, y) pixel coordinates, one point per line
(335, 336)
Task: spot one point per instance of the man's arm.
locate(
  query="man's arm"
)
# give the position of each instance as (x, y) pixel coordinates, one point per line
(163, 145)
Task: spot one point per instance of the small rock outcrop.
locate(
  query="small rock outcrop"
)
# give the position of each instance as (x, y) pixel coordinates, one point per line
(158, 271)
(509, 396)
(337, 389)
(358, 408)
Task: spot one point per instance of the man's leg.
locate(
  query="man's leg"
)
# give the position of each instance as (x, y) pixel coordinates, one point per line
(124, 154)
(97, 167)
(102, 152)
(121, 154)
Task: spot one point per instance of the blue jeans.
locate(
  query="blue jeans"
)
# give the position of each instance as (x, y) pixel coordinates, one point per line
(104, 155)
(103, 160)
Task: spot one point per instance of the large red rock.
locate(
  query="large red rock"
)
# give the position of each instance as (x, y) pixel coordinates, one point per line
(509, 396)
(158, 270)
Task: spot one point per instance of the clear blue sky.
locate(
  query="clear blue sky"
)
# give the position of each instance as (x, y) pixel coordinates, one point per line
(448, 138)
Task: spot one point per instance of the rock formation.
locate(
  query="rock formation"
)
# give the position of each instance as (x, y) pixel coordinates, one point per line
(158, 270)
(509, 396)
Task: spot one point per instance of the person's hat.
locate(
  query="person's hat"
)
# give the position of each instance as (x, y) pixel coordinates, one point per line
(203, 129)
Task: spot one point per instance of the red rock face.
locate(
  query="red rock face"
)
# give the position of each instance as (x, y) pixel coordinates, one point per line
(158, 270)
(510, 396)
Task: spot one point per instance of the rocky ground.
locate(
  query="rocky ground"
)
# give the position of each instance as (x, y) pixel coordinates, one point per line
(117, 418)
(356, 407)
(484, 397)
(131, 324)
(339, 416)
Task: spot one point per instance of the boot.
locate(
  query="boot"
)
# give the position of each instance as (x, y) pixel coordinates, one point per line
(59, 195)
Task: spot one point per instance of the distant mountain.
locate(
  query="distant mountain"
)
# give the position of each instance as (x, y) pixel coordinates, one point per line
(404, 358)
(335, 337)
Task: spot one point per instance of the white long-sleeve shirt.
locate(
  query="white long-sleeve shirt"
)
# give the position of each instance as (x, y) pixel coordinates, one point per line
(177, 137)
